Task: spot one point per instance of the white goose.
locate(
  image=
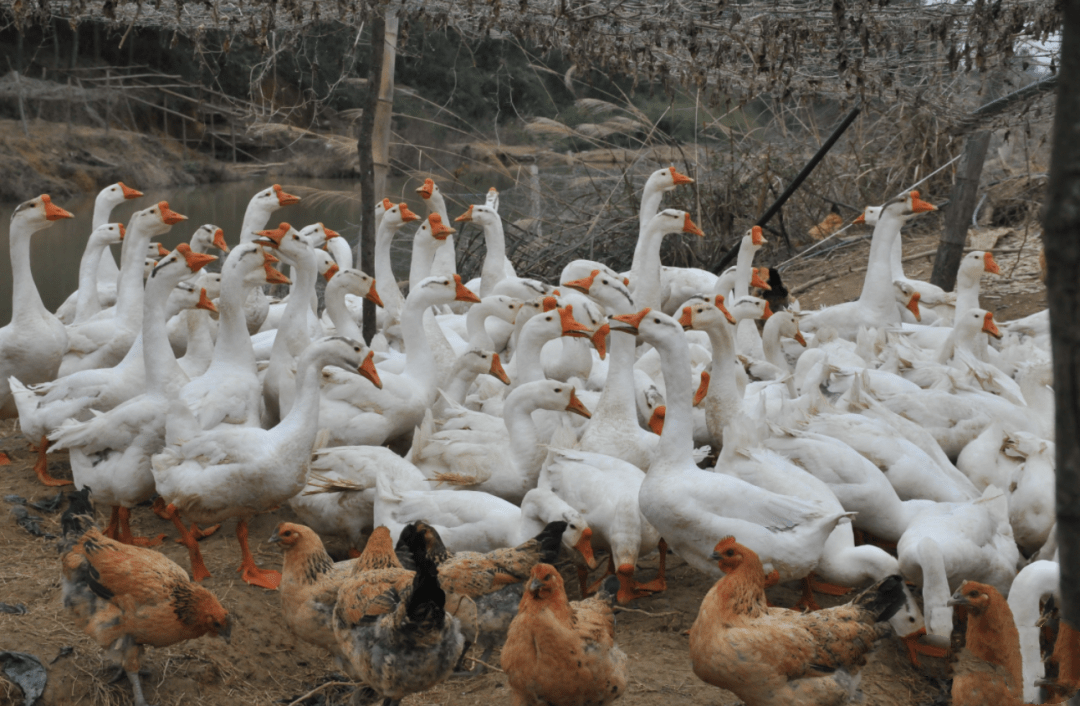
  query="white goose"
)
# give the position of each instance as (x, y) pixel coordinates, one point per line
(110, 454)
(444, 262)
(259, 209)
(659, 183)
(86, 296)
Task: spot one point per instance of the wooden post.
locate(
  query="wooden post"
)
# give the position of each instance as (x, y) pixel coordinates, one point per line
(22, 109)
(364, 147)
(232, 134)
(74, 46)
(108, 94)
(961, 206)
(1060, 225)
(384, 108)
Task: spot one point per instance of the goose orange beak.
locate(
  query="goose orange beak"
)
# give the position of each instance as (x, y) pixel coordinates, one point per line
(549, 303)
(687, 318)
(269, 259)
(989, 326)
(219, 240)
(168, 216)
(331, 271)
(195, 260)
(52, 211)
(913, 306)
(273, 276)
(582, 285)
(629, 323)
(584, 547)
(703, 388)
(570, 325)
(920, 206)
(283, 198)
(756, 279)
(599, 340)
(497, 370)
(367, 369)
(439, 230)
(689, 227)
(757, 237)
(467, 216)
(767, 313)
(861, 218)
(123, 231)
(656, 421)
(373, 295)
(679, 179)
(128, 192)
(799, 337)
(276, 235)
(205, 302)
(426, 190)
(464, 294)
(990, 265)
(162, 251)
(576, 406)
(720, 305)
(387, 204)
(406, 214)
(331, 233)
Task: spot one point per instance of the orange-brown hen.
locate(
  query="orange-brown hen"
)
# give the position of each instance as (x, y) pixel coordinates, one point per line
(1066, 657)
(780, 657)
(989, 669)
(125, 596)
(559, 653)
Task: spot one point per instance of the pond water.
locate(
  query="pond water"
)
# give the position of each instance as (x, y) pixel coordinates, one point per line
(55, 252)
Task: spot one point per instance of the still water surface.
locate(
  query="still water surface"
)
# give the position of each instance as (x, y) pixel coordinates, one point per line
(55, 252)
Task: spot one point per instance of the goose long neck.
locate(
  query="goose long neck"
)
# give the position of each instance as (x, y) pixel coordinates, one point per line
(419, 358)
(293, 325)
(967, 292)
(617, 397)
(677, 441)
(475, 328)
(159, 360)
(385, 282)
(26, 300)
(650, 206)
(461, 379)
(743, 266)
(423, 253)
(527, 367)
(129, 289)
(339, 312)
(297, 429)
(722, 383)
(494, 270)
(646, 279)
(877, 291)
(517, 415)
(896, 260)
(255, 219)
(233, 343)
(107, 269)
(87, 304)
(200, 345)
(770, 344)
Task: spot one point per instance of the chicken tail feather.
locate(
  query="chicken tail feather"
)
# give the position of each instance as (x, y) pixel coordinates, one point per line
(883, 599)
(609, 589)
(79, 516)
(550, 539)
(425, 607)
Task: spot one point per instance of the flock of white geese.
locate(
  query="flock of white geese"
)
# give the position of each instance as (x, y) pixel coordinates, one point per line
(835, 434)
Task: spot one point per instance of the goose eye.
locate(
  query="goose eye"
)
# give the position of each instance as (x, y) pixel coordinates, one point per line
(558, 389)
(656, 321)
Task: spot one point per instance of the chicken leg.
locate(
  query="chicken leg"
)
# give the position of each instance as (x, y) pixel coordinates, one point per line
(252, 574)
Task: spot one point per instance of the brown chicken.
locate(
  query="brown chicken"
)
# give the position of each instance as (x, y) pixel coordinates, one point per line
(780, 657)
(1066, 657)
(483, 590)
(125, 596)
(989, 669)
(391, 625)
(559, 653)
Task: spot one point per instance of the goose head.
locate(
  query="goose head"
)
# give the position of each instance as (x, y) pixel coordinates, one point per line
(269, 200)
(605, 288)
(703, 315)
(580, 269)
(975, 321)
(211, 282)
(492, 199)
(666, 179)
(318, 234)
(484, 362)
(209, 236)
(754, 238)
(434, 228)
(869, 216)
(905, 207)
(346, 353)
(155, 250)
(325, 264)
(189, 295)
(156, 220)
(109, 233)
(907, 297)
(37, 214)
(115, 194)
(502, 306)
(184, 261)
(286, 242)
(357, 283)
(253, 266)
(750, 308)
(672, 220)
(397, 215)
(550, 394)
(480, 215)
(440, 290)
(428, 189)
(651, 325)
(975, 263)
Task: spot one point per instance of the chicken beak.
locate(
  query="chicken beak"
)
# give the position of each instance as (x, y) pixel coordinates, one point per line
(219, 240)
(687, 318)
(535, 585)
(464, 294)
(989, 326)
(283, 198)
(920, 206)
(715, 556)
(225, 632)
(576, 406)
(168, 216)
(373, 295)
(331, 271)
(757, 237)
(629, 323)
(467, 216)
(205, 302)
(274, 538)
(128, 192)
(956, 600)
(656, 420)
(570, 325)
(584, 547)
(913, 306)
(584, 284)
(367, 369)
(599, 340)
(799, 337)
(991, 265)
(497, 369)
(689, 227)
(703, 388)
(679, 179)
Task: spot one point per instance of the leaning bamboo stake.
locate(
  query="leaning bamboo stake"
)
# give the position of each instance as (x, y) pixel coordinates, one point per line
(384, 107)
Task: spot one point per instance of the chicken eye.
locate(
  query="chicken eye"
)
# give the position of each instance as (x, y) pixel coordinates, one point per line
(730, 552)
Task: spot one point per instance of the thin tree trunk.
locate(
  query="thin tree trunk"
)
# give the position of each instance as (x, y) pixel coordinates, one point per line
(961, 206)
(1061, 223)
(384, 107)
(368, 195)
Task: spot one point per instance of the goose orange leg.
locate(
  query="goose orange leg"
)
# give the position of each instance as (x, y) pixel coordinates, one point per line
(916, 648)
(659, 583)
(198, 567)
(41, 468)
(125, 531)
(159, 509)
(113, 528)
(583, 577)
(252, 574)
